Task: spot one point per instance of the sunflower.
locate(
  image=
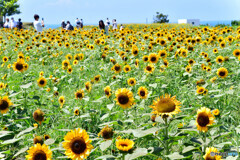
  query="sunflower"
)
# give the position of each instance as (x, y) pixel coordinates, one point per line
(131, 81)
(5, 59)
(165, 62)
(166, 106)
(204, 119)
(117, 68)
(153, 58)
(61, 100)
(212, 154)
(39, 152)
(216, 112)
(200, 90)
(149, 68)
(38, 116)
(37, 139)
(145, 58)
(220, 59)
(97, 78)
(107, 91)
(42, 82)
(124, 144)
(222, 72)
(191, 62)
(162, 54)
(236, 52)
(65, 64)
(77, 144)
(5, 103)
(106, 133)
(143, 92)
(19, 65)
(137, 63)
(88, 86)
(215, 50)
(69, 70)
(127, 68)
(46, 137)
(76, 112)
(188, 69)
(124, 98)
(79, 94)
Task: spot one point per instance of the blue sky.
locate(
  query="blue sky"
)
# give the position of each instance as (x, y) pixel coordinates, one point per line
(127, 11)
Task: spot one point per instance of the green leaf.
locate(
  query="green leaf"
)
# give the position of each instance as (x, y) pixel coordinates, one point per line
(189, 148)
(25, 86)
(25, 131)
(154, 85)
(105, 157)
(110, 106)
(104, 145)
(175, 155)
(49, 141)
(139, 152)
(5, 133)
(21, 151)
(104, 116)
(11, 141)
(141, 133)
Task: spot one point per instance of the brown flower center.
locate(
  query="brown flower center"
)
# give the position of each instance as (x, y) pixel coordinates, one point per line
(40, 155)
(19, 66)
(153, 59)
(149, 68)
(142, 93)
(202, 120)
(78, 145)
(4, 105)
(42, 82)
(165, 105)
(222, 73)
(123, 99)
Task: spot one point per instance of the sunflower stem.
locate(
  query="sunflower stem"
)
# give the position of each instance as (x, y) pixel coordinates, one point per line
(123, 157)
(166, 136)
(204, 139)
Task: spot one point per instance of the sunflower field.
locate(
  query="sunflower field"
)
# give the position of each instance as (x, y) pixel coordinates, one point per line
(147, 92)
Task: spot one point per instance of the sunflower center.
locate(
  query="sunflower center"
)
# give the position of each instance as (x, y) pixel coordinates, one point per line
(4, 105)
(222, 73)
(79, 95)
(107, 92)
(40, 155)
(153, 59)
(142, 93)
(107, 134)
(149, 68)
(123, 99)
(41, 82)
(165, 105)
(19, 66)
(117, 68)
(202, 120)
(124, 145)
(78, 145)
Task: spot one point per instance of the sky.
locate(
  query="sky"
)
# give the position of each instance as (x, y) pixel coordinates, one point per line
(127, 11)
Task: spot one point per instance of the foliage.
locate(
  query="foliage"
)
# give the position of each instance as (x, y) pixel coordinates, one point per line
(161, 18)
(9, 7)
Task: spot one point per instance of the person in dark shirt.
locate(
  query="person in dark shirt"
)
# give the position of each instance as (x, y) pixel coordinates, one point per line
(63, 24)
(19, 24)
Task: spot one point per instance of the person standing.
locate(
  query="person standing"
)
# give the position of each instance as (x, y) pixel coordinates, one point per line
(13, 24)
(78, 24)
(19, 24)
(114, 24)
(81, 23)
(38, 25)
(63, 24)
(121, 28)
(108, 22)
(69, 26)
(6, 24)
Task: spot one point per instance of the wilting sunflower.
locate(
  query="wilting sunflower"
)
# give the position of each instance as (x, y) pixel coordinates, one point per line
(131, 81)
(124, 144)
(37, 139)
(106, 133)
(77, 144)
(236, 52)
(61, 100)
(124, 98)
(97, 78)
(153, 58)
(38, 116)
(5, 103)
(42, 82)
(166, 106)
(212, 154)
(143, 92)
(79, 94)
(204, 119)
(88, 86)
(149, 68)
(107, 91)
(19, 65)
(220, 59)
(222, 72)
(200, 90)
(40, 152)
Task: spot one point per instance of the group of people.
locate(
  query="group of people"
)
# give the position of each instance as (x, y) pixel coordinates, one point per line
(105, 26)
(69, 26)
(13, 24)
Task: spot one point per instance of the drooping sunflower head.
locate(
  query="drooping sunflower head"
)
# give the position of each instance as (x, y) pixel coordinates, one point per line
(204, 119)
(38, 115)
(166, 106)
(143, 92)
(107, 91)
(106, 133)
(88, 86)
(79, 94)
(46, 136)
(124, 144)
(124, 98)
(5, 103)
(77, 144)
(131, 81)
(37, 139)
(212, 154)
(39, 152)
(222, 72)
(42, 82)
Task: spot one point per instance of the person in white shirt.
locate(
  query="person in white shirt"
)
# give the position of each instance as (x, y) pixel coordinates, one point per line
(13, 24)
(38, 25)
(108, 22)
(114, 24)
(121, 28)
(78, 24)
(6, 24)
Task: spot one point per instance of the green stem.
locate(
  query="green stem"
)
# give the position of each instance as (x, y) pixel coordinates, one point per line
(204, 139)
(166, 136)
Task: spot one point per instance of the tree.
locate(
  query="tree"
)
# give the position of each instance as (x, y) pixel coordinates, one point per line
(161, 18)
(8, 8)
